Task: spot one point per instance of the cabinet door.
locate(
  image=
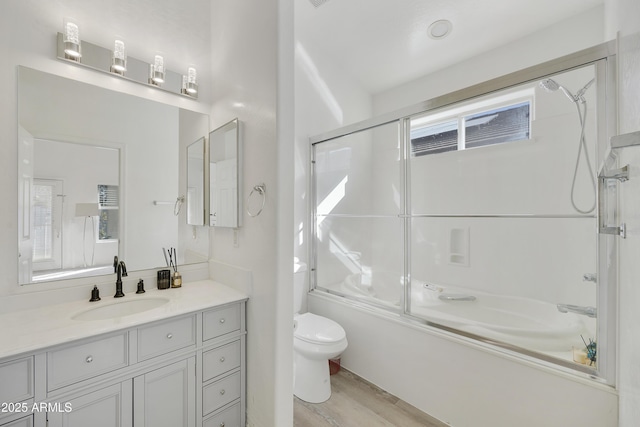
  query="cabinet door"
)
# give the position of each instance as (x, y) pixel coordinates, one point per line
(166, 397)
(107, 407)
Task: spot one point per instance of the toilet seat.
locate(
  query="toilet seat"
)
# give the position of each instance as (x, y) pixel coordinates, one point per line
(317, 329)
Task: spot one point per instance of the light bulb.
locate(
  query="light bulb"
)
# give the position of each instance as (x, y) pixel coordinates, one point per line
(192, 82)
(158, 69)
(71, 39)
(119, 59)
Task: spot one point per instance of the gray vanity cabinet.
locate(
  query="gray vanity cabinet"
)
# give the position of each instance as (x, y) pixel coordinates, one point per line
(108, 407)
(166, 396)
(187, 371)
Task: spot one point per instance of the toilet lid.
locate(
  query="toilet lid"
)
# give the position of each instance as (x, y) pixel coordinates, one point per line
(318, 329)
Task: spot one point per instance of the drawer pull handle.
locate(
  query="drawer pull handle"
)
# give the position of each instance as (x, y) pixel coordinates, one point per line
(222, 320)
(89, 359)
(222, 359)
(169, 335)
(222, 392)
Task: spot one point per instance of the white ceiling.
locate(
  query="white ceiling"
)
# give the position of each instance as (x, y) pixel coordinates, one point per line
(383, 43)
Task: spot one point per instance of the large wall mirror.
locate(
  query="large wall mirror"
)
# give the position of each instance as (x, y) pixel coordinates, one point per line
(99, 174)
(224, 154)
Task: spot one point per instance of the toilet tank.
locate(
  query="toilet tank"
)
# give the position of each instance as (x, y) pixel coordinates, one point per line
(300, 287)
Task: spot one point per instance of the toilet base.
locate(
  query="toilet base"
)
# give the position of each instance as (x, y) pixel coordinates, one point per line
(311, 381)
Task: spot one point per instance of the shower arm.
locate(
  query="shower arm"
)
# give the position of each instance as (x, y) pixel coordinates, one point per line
(618, 142)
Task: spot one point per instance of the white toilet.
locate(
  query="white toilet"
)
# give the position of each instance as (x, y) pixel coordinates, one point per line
(316, 339)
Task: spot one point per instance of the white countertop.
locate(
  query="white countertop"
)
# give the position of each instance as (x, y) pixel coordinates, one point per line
(35, 329)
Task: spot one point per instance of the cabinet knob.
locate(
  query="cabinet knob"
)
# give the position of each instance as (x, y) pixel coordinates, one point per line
(222, 359)
(222, 424)
(222, 392)
(169, 335)
(89, 359)
(222, 320)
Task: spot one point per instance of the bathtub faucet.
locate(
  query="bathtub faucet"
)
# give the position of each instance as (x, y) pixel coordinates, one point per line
(586, 311)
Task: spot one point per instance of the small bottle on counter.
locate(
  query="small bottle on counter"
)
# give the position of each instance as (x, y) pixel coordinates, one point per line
(176, 280)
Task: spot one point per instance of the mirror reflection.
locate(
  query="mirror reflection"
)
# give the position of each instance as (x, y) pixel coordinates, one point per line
(99, 174)
(223, 175)
(195, 183)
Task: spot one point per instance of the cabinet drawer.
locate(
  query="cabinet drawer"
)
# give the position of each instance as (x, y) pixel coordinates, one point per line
(219, 322)
(161, 338)
(220, 393)
(16, 380)
(228, 418)
(220, 360)
(85, 360)
(25, 422)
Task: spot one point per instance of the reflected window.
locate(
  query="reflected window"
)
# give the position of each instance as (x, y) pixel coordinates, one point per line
(108, 203)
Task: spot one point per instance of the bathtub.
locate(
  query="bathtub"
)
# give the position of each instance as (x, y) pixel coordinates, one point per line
(524, 322)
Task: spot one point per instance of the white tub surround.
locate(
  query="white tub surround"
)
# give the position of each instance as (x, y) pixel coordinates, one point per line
(181, 361)
(440, 373)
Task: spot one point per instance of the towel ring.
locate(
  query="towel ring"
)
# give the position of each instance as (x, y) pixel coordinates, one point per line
(260, 189)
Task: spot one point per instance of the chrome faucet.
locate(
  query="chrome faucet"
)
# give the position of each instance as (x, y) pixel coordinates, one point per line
(586, 311)
(121, 270)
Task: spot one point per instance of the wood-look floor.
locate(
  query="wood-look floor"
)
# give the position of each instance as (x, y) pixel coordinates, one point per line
(356, 402)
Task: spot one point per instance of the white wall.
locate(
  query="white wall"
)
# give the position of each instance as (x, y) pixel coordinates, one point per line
(252, 65)
(624, 19)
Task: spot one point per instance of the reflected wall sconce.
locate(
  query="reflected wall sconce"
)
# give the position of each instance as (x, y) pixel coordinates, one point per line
(119, 58)
(190, 82)
(117, 63)
(71, 40)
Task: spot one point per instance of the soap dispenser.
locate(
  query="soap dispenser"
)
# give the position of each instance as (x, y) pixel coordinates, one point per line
(95, 294)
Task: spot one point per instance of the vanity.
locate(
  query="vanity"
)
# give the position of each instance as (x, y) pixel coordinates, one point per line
(172, 357)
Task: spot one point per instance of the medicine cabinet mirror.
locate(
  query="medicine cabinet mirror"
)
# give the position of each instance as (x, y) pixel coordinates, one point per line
(99, 174)
(224, 153)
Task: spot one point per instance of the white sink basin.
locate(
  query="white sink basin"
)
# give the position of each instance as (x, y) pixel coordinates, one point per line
(120, 309)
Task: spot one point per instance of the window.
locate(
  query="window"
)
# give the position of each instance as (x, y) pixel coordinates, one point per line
(463, 131)
(108, 204)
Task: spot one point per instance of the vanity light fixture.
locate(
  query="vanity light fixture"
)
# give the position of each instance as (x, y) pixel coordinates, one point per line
(119, 58)
(190, 82)
(115, 61)
(156, 71)
(71, 39)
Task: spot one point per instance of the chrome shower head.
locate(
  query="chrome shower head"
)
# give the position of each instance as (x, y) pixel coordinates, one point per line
(551, 85)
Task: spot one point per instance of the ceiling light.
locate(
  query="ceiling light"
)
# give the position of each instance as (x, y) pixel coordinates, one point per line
(440, 29)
